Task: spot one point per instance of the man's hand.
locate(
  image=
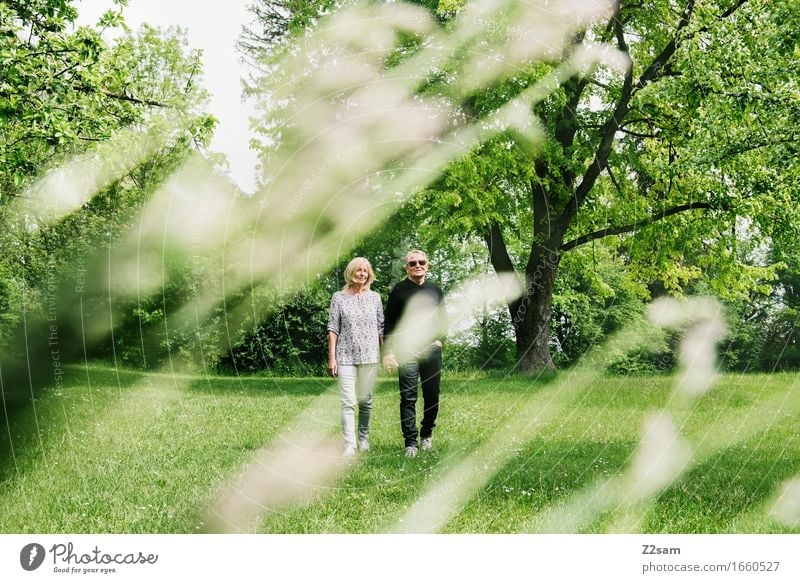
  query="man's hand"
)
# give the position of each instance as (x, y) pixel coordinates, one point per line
(390, 362)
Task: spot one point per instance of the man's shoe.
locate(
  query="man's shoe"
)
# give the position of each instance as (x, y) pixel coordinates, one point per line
(349, 452)
(411, 451)
(427, 443)
(363, 445)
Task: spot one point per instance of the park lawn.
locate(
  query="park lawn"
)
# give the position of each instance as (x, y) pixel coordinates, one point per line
(121, 451)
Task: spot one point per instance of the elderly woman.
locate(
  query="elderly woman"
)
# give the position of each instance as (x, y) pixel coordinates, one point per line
(355, 334)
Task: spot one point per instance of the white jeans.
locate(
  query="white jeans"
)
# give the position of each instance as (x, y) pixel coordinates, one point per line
(356, 382)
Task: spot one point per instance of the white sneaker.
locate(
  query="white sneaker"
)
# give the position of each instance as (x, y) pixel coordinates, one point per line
(349, 452)
(411, 451)
(363, 445)
(427, 443)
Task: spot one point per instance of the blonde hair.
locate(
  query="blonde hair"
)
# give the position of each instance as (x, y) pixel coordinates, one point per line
(350, 271)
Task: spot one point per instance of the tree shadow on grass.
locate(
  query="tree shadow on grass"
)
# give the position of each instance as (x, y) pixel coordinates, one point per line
(541, 474)
(42, 414)
(260, 386)
(717, 495)
(499, 382)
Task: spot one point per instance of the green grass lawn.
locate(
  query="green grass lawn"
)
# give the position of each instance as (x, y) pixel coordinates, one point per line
(117, 451)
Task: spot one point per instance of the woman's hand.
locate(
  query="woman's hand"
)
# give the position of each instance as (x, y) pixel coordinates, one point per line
(332, 368)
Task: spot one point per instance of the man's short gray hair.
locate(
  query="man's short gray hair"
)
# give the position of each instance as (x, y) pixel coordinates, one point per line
(415, 252)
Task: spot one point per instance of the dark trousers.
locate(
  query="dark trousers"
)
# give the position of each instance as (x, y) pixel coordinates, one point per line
(428, 372)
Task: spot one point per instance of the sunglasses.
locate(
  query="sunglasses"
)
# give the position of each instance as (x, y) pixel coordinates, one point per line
(421, 263)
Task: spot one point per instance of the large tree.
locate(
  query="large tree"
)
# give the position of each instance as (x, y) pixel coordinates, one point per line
(692, 148)
(689, 149)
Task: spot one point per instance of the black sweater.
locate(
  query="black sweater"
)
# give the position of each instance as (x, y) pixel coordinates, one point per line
(399, 297)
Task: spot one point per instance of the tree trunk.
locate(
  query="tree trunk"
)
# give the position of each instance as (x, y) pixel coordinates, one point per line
(530, 314)
(532, 332)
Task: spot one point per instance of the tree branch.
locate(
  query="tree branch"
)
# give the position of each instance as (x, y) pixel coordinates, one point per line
(66, 70)
(500, 259)
(120, 97)
(654, 70)
(606, 140)
(614, 180)
(610, 127)
(195, 66)
(635, 134)
(645, 120)
(498, 252)
(597, 83)
(732, 9)
(734, 150)
(583, 239)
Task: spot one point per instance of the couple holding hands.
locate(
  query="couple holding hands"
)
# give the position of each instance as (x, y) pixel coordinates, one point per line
(410, 331)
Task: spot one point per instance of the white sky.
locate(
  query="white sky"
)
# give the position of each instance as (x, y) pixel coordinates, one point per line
(213, 26)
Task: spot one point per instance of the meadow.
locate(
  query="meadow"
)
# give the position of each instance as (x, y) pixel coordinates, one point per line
(122, 451)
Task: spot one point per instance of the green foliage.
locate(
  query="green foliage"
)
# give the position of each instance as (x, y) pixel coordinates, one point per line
(52, 100)
(488, 345)
(154, 330)
(61, 94)
(63, 91)
(11, 298)
(449, 8)
(695, 152)
(691, 161)
(275, 21)
(763, 327)
(595, 297)
(291, 340)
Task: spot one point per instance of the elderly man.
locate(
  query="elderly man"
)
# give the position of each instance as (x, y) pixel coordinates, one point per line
(424, 364)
